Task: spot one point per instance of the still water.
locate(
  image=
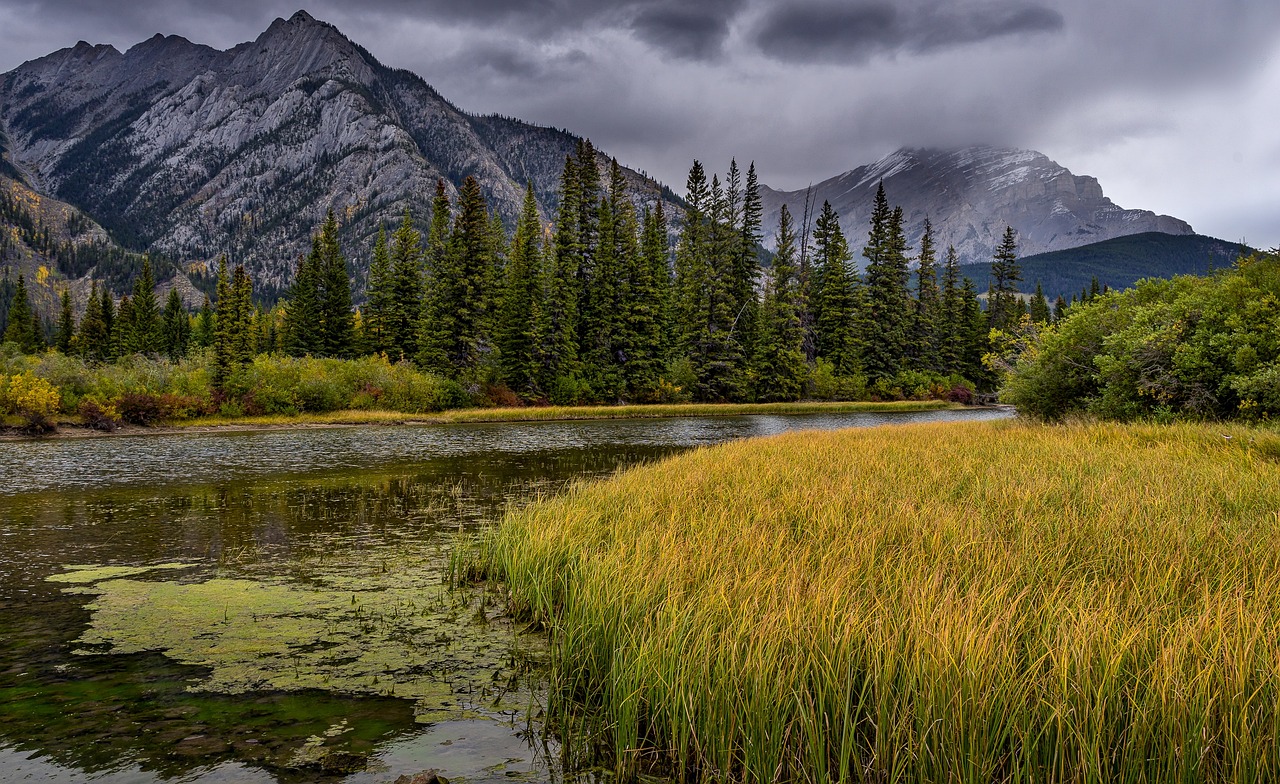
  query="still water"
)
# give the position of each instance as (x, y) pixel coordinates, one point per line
(271, 606)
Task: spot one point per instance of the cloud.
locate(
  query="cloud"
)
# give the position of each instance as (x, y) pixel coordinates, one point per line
(853, 32)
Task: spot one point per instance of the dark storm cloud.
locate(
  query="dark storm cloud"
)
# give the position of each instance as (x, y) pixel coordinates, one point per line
(852, 32)
(695, 32)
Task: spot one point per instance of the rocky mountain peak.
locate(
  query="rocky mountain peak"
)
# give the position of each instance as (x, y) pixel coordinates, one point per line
(970, 194)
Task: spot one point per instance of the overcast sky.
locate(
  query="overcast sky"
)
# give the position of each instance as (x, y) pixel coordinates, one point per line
(1173, 104)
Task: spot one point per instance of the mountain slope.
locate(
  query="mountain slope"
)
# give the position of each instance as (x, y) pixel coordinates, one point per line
(970, 195)
(190, 151)
(1118, 263)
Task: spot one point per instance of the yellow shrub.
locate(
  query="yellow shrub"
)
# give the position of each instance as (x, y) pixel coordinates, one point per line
(32, 398)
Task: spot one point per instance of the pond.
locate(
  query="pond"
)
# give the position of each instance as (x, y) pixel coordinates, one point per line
(272, 606)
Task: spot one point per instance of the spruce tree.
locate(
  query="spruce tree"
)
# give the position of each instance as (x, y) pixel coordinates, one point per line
(175, 327)
(951, 324)
(92, 339)
(109, 323)
(471, 262)
(436, 325)
(65, 341)
(887, 319)
(302, 325)
(336, 317)
(778, 366)
(122, 335)
(648, 281)
(20, 330)
(202, 332)
(747, 261)
(226, 323)
(143, 334)
(1002, 299)
(928, 316)
(1039, 308)
(833, 301)
(975, 326)
(406, 300)
(244, 337)
(560, 282)
(516, 332)
(377, 313)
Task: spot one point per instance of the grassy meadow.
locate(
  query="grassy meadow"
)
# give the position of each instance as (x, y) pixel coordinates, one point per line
(979, 602)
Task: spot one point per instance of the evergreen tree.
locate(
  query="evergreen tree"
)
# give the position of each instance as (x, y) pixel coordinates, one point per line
(241, 317)
(65, 340)
(927, 343)
(226, 324)
(975, 326)
(406, 277)
(1059, 308)
(747, 260)
(202, 332)
(437, 325)
(125, 328)
(703, 269)
(516, 333)
(1002, 300)
(833, 301)
(20, 330)
(648, 281)
(109, 323)
(886, 321)
(302, 319)
(143, 334)
(336, 317)
(561, 331)
(951, 323)
(456, 338)
(1039, 308)
(377, 312)
(92, 339)
(175, 327)
(778, 363)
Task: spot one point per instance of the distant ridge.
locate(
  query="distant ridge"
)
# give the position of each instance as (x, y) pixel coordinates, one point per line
(1118, 263)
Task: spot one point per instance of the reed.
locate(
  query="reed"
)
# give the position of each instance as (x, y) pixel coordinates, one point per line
(978, 602)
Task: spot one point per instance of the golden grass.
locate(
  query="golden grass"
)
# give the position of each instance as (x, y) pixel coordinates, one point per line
(566, 413)
(969, 602)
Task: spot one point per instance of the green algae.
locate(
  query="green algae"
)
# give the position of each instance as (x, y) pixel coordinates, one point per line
(84, 574)
(371, 621)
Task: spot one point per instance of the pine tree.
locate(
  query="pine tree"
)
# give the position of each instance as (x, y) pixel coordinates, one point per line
(109, 324)
(336, 317)
(886, 320)
(406, 276)
(125, 328)
(975, 327)
(20, 330)
(65, 341)
(243, 338)
(302, 320)
(747, 261)
(92, 339)
(175, 327)
(951, 323)
(778, 367)
(436, 325)
(561, 331)
(377, 313)
(926, 349)
(516, 333)
(1002, 299)
(648, 281)
(1059, 308)
(143, 333)
(225, 324)
(1039, 308)
(833, 302)
(202, 333)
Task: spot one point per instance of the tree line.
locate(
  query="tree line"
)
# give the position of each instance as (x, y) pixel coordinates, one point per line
(599, 304)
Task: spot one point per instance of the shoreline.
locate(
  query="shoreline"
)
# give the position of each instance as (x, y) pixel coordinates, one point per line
(344, 419)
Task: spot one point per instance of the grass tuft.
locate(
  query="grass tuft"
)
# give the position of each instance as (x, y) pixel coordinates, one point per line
(979, 602)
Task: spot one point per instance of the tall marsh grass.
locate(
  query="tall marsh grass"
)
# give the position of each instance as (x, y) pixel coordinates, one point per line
(983, 602)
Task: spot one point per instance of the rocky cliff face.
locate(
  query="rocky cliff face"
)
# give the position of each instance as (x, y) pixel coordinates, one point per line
(970, 195)
(190, 152)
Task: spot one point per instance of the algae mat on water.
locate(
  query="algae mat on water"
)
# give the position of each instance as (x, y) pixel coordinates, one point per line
(372, 621)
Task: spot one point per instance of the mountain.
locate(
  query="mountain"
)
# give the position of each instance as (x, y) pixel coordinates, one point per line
(970, 195)
(1118, 263)
(186, 151)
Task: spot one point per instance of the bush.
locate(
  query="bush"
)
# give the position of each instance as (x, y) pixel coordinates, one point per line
(32, 399)
(98, 415)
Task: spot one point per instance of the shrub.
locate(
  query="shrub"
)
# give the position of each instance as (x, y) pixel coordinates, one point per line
(143, 408)
(98, 415)
(34, 400)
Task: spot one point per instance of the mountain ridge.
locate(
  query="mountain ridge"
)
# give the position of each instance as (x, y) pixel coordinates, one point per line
(190, 151)
(971, 194)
